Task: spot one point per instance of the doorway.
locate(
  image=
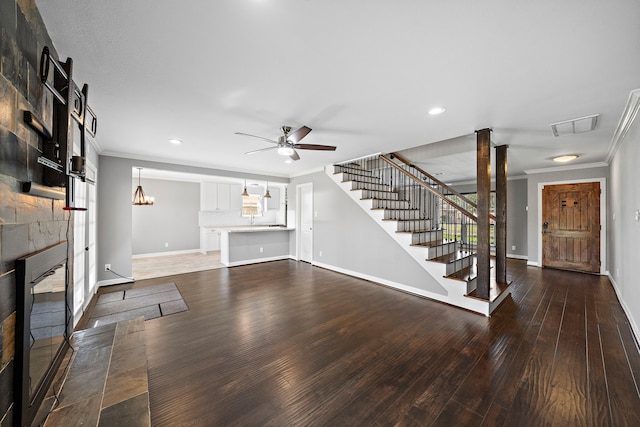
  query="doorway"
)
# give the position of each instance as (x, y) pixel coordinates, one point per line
(571, 226)
(304, 202)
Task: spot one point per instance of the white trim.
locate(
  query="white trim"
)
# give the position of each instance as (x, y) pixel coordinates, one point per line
(603, 216)
(258, 260)
(626, 120)
(118, 281)
(155, 254)
(517, 256)
(634, 326)
(299, 189)
(472, 304)
(566, 168)
(533, 263)
(216, 170)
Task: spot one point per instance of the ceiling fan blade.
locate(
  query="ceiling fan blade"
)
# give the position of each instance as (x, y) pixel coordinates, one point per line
(294, 156)
(255, 136)
(261, 149)
(298, 134)
(315, 147)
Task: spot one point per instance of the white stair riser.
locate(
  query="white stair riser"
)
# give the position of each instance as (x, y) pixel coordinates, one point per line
(356, 185)
(372, 194)
(447, 248)
(391, 204)
(416, 224)
(426, 236)
(401, 214)
(465, 262)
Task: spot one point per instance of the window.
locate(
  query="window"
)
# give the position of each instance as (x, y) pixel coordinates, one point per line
(251, 206)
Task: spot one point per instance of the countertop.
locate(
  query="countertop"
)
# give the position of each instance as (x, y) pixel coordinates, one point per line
(250, 228)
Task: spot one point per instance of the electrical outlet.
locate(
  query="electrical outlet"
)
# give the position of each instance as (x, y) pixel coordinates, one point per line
(261, 250)
(107, 267)
(513, 248)
(166, 245)
(320, 253)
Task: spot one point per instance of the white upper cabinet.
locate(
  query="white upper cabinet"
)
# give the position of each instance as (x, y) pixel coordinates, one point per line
(220, 196)
(208, 196)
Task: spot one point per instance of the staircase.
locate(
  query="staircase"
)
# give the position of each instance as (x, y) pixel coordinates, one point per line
(432, 222)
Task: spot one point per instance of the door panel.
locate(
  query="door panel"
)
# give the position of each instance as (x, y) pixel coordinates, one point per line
(571, 226)
(305, 222)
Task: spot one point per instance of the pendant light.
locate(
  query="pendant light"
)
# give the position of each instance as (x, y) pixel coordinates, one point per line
(139, 197)
(267, 195)
(245, 193)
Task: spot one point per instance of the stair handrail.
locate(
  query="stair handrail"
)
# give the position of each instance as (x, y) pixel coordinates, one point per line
(429, 188)
(440, 183)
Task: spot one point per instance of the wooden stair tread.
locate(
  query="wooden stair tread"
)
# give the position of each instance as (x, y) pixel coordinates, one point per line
(465, 275)
(433, 243)
(451, 257)
(420, 230)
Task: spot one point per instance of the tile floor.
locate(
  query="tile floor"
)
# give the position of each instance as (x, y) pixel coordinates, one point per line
(107, 383)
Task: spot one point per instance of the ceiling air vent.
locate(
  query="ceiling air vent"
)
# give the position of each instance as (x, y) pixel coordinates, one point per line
(580, 125)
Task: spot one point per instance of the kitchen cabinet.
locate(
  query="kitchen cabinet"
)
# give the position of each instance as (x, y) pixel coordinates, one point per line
(215, 196)
(209, 240)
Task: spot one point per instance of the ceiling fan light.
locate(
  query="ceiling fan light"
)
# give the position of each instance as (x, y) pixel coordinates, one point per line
(285, 151)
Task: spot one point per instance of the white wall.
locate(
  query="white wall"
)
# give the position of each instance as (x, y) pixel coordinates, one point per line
(624, 230)
(351, 241)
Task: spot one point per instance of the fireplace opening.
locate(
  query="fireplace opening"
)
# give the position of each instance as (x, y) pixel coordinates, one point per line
(42, 327)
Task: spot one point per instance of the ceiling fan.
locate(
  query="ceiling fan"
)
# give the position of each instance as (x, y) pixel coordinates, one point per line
(289, 142)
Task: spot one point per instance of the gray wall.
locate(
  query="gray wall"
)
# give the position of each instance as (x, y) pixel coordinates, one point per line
(532, 192)
(351, 240)
(115, 217)
(172, 219)
(624, 231)
(516, 214)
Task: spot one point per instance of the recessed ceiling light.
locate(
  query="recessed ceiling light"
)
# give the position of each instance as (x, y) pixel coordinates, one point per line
(437, 110)
(567, 158)
(175, 141)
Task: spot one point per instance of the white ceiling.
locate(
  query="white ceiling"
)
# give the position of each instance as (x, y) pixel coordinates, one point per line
(361, 73)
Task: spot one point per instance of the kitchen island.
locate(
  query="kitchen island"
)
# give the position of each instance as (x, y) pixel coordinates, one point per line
(252, 244)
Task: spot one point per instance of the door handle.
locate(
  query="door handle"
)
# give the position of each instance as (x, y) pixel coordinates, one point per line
(545, 226)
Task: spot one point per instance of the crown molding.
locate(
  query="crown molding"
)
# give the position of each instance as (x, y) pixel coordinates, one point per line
(626, 120)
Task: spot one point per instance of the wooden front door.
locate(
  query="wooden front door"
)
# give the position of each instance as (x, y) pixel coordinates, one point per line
(571, 226)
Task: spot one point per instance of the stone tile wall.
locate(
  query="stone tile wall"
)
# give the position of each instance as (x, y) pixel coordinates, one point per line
(27, 223)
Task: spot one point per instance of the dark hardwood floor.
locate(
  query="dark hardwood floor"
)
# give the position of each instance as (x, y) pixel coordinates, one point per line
(284, 343)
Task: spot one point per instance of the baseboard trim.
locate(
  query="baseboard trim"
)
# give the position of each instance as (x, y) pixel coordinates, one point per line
(533, 263)
(515, 256)
(258, 260)
(118, 281)
(625, 308)
(183, 252)
(379, 280)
